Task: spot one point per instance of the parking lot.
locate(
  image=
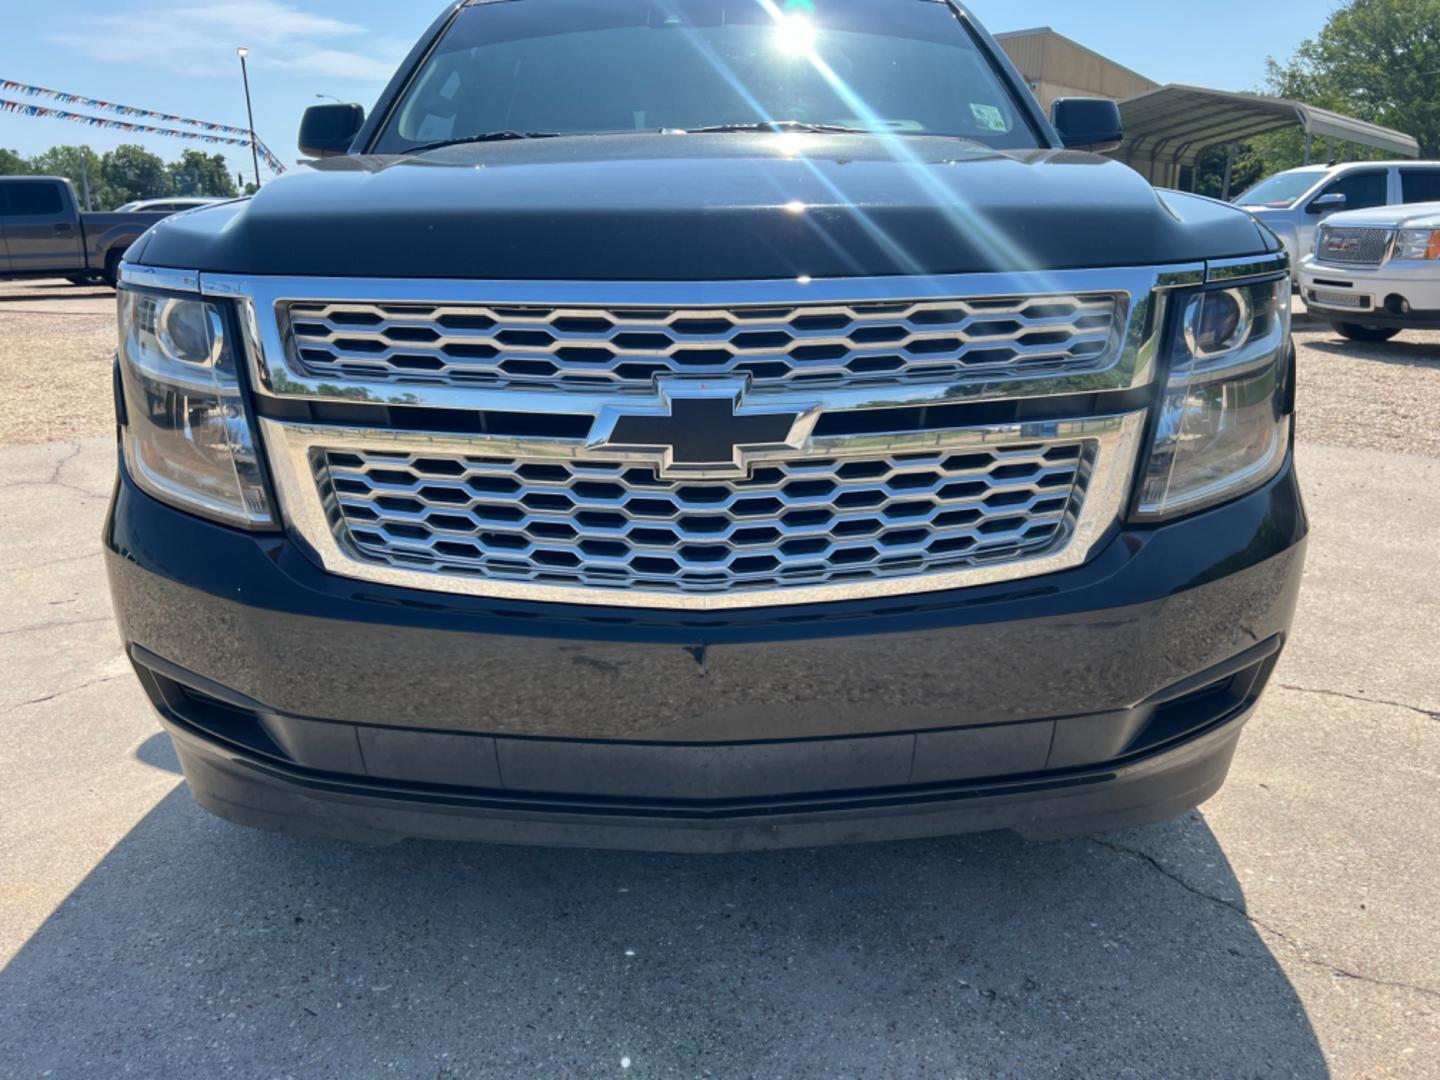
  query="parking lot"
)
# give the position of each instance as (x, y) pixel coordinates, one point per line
(1289, 927)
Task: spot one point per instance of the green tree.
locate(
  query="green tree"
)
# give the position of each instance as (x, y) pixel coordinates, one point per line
(135, 173)
(12, 164)
(198, 173)
(80, 165)
(1378, 60)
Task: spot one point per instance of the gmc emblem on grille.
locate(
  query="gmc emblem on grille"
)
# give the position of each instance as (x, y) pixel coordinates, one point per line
(701, 428)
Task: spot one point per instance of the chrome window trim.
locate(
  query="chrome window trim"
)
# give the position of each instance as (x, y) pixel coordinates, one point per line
(290, 447)
(273, 375)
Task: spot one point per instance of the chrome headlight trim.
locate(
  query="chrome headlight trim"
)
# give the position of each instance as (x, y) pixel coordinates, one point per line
(1212, 401)
(186, 437)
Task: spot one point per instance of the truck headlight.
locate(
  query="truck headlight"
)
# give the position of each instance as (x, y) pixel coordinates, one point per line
(186, 439)
(1224, 422)
(1417, 244)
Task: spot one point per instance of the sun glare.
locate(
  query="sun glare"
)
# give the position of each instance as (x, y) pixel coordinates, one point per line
(795, 35)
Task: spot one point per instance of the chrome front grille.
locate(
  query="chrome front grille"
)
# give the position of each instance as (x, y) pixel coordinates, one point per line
(627, 347)
(613, 525)
(1354, 246)
(574, 441)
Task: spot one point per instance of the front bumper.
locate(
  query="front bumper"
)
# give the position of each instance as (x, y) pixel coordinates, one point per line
(1373, 296)
(1104, 695)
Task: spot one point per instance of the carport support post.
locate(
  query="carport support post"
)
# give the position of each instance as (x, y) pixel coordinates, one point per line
(1309, 146)
(1229, 171)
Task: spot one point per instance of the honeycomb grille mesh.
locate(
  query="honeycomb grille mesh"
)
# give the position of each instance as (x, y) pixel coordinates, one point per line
(626, 347)
(1360, 247)
(617, 525)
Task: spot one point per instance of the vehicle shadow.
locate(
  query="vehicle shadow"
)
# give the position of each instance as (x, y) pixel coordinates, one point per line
(196, 948)
(62, 291)
(1398, 351)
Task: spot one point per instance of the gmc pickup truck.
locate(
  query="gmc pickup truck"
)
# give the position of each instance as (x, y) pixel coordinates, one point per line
(700, 425)
(44, 233)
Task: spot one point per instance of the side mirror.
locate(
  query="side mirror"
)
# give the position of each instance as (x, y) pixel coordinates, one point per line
(1327, 204)
(1087, 123)
(328, 130)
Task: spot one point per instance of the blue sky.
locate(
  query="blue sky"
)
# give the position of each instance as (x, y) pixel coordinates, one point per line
(178, 56)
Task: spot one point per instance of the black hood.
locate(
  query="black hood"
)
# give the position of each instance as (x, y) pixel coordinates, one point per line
(691, 207)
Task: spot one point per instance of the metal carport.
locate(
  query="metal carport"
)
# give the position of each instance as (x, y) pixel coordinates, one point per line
(1168, 128)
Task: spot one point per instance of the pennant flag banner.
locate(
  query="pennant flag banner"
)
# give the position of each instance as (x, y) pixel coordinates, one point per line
(207, 133)
(12, 87)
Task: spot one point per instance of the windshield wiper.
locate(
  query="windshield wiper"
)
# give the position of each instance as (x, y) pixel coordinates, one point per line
(778, 125)
(488, 136)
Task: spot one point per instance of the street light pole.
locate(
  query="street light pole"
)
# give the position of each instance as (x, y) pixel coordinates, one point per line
(243, 52)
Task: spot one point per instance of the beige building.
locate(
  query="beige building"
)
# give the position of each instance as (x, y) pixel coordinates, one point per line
(1168, 127)
(1055, 66)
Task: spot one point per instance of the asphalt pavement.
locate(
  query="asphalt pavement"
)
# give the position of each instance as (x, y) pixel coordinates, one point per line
(1291, 927)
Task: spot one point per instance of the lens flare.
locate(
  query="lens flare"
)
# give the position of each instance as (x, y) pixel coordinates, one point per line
(794, 35)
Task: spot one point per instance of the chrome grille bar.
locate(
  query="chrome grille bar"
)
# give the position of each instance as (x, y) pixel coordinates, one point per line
(619, 348)
(1100, 335)
(1068, 485)
(609, 525)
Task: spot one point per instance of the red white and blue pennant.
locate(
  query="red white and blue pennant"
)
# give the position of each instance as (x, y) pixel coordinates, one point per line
(205, 131)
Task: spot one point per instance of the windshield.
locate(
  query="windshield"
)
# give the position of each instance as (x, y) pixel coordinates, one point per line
(567, 67)
(1280, 191)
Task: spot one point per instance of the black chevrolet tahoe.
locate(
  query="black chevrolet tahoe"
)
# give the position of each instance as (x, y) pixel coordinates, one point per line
(702, 425)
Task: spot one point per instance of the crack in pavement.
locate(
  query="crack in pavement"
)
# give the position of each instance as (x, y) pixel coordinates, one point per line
(60, 465)
(1260, 924)
(59, 562)
(67, 690)
(56, 483)
(55, 625)
(54, 480)
(1430, 714)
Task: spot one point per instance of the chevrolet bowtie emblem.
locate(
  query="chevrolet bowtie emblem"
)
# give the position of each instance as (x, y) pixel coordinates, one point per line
(701, 428)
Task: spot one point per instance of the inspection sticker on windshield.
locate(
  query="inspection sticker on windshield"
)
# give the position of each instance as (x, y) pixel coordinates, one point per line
(988, 117)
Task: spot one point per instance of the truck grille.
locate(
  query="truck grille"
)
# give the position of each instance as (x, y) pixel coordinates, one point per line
(619, 526)
(706, 445)
(1353, 247)
(776, 346)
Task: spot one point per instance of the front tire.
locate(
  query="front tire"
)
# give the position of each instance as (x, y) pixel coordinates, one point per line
(111, 276)
(1361, 332)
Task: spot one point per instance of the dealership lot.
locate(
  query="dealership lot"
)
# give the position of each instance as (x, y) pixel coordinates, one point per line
(1287, 928)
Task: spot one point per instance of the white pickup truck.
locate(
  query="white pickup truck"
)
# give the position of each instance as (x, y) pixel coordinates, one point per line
(1376, 272)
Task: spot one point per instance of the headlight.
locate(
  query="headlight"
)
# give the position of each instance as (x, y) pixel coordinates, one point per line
(186, 439)
(1224, 422)
(1417, 244)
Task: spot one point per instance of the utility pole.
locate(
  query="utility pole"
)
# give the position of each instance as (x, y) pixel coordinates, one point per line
(243, 52)
(1230, 149)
